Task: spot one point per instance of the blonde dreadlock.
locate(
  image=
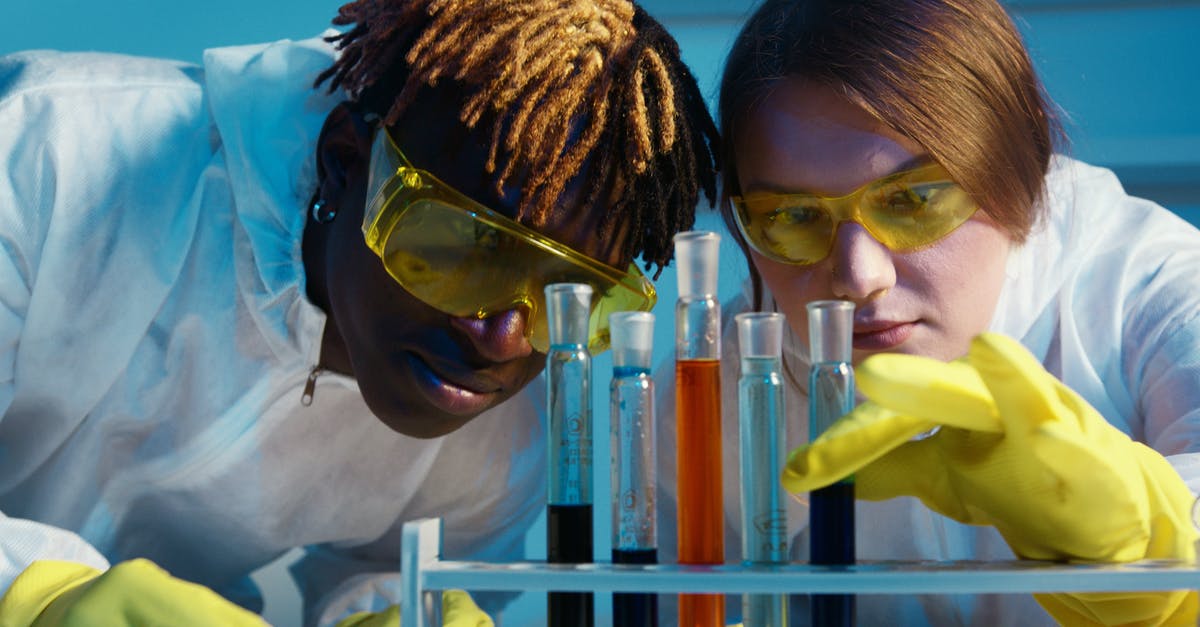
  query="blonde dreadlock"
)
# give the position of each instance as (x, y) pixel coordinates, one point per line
(560, 82)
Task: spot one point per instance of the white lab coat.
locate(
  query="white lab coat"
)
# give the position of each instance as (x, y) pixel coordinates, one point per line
(1106, 292)
(155, 338)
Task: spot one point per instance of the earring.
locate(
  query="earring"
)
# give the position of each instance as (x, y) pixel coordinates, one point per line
(323, 213)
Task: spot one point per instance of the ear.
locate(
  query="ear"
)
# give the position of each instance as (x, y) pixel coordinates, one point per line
(344, 144)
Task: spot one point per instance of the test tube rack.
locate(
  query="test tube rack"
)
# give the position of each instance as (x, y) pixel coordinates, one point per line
(424, 575)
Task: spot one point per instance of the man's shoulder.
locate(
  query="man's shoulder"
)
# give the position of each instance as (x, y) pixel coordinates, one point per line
(32, 71)
(94, 110)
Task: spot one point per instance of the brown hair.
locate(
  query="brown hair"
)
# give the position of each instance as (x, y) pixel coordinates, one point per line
(951, 75)
(561, 83)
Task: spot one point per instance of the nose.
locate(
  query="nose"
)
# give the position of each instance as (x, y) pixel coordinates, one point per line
(499, 337)
(862, 266)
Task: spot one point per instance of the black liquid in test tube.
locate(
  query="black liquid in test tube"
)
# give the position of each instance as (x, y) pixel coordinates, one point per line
(569, 535)
(569, 445)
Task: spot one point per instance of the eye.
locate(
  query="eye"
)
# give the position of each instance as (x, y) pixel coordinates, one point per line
(799, 215)
(486, 237)
(905, 201)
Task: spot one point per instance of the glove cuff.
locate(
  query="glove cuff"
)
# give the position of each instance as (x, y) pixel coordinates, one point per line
(37, 587)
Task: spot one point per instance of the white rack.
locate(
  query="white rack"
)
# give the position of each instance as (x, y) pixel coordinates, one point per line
(424, 575)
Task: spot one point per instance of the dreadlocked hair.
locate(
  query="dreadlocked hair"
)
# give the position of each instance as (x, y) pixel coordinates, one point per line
(591, 86)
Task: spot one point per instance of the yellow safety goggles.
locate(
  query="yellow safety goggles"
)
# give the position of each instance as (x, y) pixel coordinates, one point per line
(467, 260)
(904, 211)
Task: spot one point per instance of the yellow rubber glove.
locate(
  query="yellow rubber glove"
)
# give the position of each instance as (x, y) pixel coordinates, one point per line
(1022, 452)
(133, 593)
(458, 610)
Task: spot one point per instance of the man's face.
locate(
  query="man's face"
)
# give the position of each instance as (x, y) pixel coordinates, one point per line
(423, 372)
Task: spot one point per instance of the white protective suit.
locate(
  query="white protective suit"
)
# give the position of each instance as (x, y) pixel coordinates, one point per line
(1106, 292)
(156, 339)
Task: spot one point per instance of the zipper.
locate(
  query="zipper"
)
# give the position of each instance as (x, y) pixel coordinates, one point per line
(309, 386)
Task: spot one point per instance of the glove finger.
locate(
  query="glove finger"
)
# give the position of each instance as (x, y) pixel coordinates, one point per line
(459, 610)
(209, 607)
(140, 592)
(389, 617)
(39, 586)
(950, 394)
(1024, 393)
(357, 619)
(853, 441)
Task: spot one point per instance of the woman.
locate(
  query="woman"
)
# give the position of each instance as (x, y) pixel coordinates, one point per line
(236, 318)
(899, 155)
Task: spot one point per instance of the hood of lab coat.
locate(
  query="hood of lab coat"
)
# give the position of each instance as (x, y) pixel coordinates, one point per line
(268, 117)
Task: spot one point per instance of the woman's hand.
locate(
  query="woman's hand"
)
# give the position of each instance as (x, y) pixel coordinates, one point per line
(1015, 449)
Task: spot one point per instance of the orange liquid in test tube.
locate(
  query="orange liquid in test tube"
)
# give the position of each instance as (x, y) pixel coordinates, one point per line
(700, 516)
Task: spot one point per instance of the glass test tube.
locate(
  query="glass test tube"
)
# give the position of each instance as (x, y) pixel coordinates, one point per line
(569, 399)
(762, 427)
(635, 537)
(700, 517)
(831, 396)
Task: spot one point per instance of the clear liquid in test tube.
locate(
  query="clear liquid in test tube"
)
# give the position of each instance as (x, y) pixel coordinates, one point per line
(569, 445)
(762, 439)
(632, 446)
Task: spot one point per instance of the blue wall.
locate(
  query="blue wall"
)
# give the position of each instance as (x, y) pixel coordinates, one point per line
(1126, 72)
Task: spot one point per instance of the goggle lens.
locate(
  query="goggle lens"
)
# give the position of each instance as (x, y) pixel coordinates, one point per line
(467, 260)
(903, 211)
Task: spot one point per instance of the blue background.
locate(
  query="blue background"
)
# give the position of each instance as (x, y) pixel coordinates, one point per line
(1125, 73)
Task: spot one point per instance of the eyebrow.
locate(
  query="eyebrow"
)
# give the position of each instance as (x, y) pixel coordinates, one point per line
(913, 163)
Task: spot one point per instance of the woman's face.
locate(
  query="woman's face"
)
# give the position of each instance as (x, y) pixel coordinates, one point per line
(931, 301)
(423, 372)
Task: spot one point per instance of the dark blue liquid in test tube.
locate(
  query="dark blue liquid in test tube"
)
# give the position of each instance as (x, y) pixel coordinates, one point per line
(831, 396)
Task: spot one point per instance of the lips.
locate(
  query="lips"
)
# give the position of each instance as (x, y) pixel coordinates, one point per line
(880, 335)
(459, 395)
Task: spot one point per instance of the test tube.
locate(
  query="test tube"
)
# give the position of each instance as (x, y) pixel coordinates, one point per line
(631, 394)
(569, 399)
(700, 516)
(831, 396)
(762, 428)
